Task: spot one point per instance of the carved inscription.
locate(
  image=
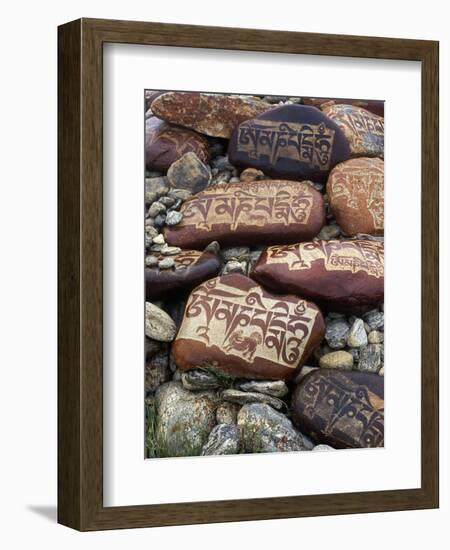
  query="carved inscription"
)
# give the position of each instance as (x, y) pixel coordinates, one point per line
(305, 143)
(248, 324)
(347, 411)
(353, 256)
(255, 204)
(360, 182)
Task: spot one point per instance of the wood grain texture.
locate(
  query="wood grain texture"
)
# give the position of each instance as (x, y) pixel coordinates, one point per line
(80, 241)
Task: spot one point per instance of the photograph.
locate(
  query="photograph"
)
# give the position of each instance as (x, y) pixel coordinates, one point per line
(264, 273)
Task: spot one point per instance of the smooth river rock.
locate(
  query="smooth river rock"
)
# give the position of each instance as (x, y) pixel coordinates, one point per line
(223, 440)
(211, 114)
(355, 191)
(363, 130)
(343, 276)
(292, 142)
(255, 213)
(190, 268)
(233, 325)
(341, 409)
(184, 419)
(165, 144)
(265, 430)
(158, 324)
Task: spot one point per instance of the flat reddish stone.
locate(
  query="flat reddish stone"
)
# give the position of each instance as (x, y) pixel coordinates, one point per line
(293, 141)
(341, 409)
(355, 191)
(337, 275)
(211, 114)
(191, 268)
(257, 212)
(363, 129)
(165, 144)
(233, 325)
(374, 106)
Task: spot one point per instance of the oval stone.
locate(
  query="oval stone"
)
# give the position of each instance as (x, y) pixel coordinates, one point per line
(191, 268)
(165, 144)
(345, 275)
(254, 213)
(374, 106)
(292, 141)
(211, 114)
(355, 191)
(363, 130)
(234, 326)
(341, 409)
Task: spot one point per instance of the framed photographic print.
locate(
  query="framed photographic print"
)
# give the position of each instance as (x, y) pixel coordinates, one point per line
(248, 274)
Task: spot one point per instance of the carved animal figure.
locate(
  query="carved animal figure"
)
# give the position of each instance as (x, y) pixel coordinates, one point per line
(244, 344)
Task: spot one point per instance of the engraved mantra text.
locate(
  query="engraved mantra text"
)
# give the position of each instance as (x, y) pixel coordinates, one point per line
(306, 143)
(248, 324)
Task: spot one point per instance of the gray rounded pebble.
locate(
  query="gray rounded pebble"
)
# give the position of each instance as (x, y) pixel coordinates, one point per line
(166, 263)
(173, 217)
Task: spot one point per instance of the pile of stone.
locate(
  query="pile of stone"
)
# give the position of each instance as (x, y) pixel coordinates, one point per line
(264, 274)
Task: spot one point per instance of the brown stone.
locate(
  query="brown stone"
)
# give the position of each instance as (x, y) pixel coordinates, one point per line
(293, 142)
(363, 130)
(355, 191)
(150, 96)
(341, 409)
(191, 268)
(233, 325)
(337, 275)
(259, 213)
(374, 106)
(165, 144)
(211, 114)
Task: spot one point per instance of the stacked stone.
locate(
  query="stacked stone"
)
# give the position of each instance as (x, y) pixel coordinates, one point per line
(248, 246)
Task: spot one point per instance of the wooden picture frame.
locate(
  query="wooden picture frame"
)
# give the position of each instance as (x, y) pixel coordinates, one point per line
(80, 272)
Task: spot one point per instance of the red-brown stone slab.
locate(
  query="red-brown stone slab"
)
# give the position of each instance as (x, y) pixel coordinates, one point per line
(211, 114)
(337, 275)
(341, 409)
(233, 325)
(191, 268)
(374, 106)
(164, 144)
(293, 142)
(355, 191)
(363, 130)
(257, 212)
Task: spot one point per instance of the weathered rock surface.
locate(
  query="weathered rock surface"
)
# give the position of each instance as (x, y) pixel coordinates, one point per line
(199, 379)
(341, 409)
(157, 370)
(363, 130)
(259, 213)
(165, 144)
(341, 360)
(189, 173)
(292, 142)
(357, 336)
(338, 275)
(370, 358)
(355, 191)
(158, 325)
(235, 326)
(189, 268)
(184, 419)
(223, 440)
(210, 114)
(245, 397)
(336, 333)
(227, 412)
(374, 106)
(264, 430)
(276, 388)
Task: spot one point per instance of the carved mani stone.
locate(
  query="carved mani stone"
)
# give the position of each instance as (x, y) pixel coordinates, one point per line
(233, 325)
(355, 191)
(164, 144)
(211, 114)
(363, 129)
(191, 268)
(341, 409)
(293, 142)
(258, 212)
(338, 275)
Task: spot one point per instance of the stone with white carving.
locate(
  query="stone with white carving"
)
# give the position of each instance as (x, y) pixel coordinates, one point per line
(256, 213)
(345, 276)
(292, 142)
(233, 325)
(355, 191)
